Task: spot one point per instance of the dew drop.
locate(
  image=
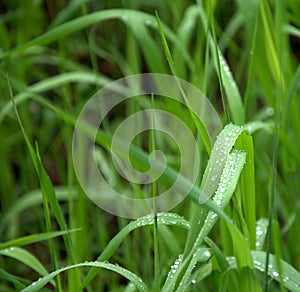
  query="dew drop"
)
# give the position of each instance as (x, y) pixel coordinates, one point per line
(259, 232)
(124, 18)
(148, 22)
(275, 274)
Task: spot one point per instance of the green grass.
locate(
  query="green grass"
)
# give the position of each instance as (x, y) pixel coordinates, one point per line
(243, 55)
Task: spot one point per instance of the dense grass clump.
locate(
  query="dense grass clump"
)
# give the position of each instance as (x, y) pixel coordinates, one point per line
(243, 56)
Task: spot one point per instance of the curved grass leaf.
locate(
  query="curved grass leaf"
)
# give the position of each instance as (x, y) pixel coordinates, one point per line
(162, 219)
(26, 258)
(21, 241)
(132, 17)
(18, 283)
(137, 281)
(139, 158)
(52, 83)
(31, 199)
(186, 279)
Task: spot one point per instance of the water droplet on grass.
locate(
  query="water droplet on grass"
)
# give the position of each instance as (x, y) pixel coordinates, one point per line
(148, 22)
(275, 274)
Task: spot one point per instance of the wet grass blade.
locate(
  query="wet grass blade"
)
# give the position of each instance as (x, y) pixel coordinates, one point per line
(290, 276)
(137, 281)
(228, 182)
(162, 219)
(212, 175)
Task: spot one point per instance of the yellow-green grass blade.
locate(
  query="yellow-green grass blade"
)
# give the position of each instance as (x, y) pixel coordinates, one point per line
(246, 187)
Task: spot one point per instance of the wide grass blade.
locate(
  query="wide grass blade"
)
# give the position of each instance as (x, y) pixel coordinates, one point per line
(228, 182)
(212, 175)
(290, 276)
(26, 258)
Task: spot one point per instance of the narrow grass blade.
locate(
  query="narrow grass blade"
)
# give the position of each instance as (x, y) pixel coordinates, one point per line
(139, 158)
(233, 96)
(34, 238)
(4, 276)
(188, 279)
(137, 281)
(222, 264)
(31, 199)
(246, 188)
(132, 17)
(162, 219)
(50, 84)
(292, 30)
(26, 258)
(48, 190)
(200, 127)
(272, 55)
(220, 257)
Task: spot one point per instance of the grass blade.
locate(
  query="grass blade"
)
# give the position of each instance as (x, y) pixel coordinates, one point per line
(162, 219)
(137, 281)
(228, 182)
(26, 258)
(234, 99)
(290, 276)
(21, 241)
